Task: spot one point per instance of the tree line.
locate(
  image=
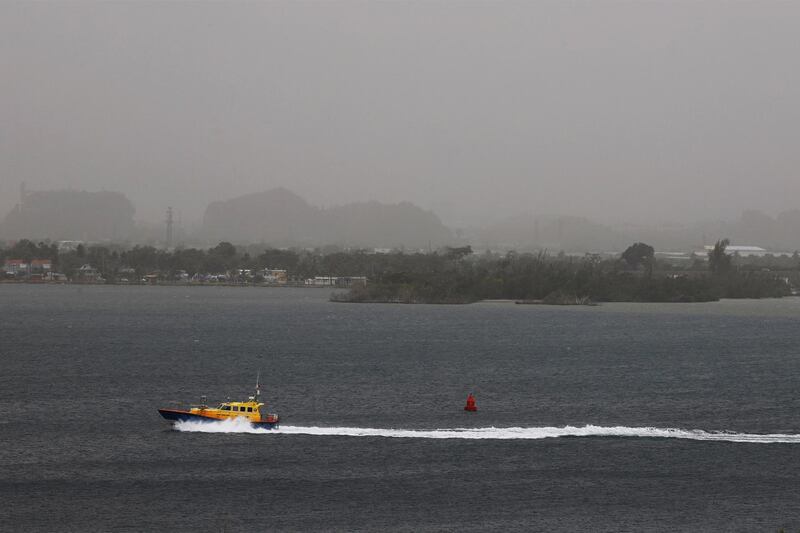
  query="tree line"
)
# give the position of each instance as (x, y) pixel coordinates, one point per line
(449, 275)
(456, 276)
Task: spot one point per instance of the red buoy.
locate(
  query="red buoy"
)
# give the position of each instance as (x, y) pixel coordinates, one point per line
(470, 404)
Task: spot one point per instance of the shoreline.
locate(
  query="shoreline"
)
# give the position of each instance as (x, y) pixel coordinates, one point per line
(590, 303)
(172, 284)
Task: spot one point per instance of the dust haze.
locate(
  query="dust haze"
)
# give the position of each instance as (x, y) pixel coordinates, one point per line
(620, 112)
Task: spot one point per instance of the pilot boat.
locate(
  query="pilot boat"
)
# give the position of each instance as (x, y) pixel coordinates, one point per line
(250, 410)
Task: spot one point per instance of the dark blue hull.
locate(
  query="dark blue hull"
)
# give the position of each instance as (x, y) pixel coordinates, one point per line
(174, 415)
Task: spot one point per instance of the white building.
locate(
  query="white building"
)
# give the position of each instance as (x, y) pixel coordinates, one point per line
(742, 251)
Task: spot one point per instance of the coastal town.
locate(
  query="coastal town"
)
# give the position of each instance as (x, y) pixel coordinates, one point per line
(110, 271)
(446, 275)
(42, 271)
(276, 239)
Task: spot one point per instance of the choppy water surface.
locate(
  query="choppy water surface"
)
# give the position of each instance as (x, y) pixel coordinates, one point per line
(619, 417)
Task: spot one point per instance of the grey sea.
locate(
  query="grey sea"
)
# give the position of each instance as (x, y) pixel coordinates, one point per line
(622, 417)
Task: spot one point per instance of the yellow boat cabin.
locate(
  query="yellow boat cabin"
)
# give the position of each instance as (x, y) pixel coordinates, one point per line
(251, 410)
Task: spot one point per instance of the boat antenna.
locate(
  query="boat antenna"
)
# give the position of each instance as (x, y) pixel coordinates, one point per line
(258, 390)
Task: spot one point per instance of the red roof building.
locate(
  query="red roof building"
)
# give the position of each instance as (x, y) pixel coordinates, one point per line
(12, 266)
(41, 264)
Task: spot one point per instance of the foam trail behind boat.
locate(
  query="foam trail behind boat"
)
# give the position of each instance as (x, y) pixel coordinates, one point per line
(492, 433)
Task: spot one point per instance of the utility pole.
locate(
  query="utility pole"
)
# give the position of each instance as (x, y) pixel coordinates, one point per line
(170, 222)
(23, 193)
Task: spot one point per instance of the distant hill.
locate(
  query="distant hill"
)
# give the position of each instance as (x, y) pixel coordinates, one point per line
(280, 217)
(275, 216)
(69, 214)
(576, 234)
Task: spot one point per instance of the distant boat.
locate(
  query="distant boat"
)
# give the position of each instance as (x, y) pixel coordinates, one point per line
(250, 410)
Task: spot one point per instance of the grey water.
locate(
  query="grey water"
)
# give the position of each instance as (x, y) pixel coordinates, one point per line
(83, 370)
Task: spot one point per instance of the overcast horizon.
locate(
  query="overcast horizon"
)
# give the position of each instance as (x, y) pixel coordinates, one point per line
(617, 111)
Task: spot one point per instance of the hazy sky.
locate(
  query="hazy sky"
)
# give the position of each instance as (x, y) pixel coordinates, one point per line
(615, 110)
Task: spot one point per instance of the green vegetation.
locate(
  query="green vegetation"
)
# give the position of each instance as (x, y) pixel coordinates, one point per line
(640, 254)
(450, 275)
(719, 262)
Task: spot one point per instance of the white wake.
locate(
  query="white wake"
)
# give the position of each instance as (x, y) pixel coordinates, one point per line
(491, 433)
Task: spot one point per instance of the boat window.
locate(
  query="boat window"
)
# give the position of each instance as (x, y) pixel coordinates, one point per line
(249, 409)
(226, 407)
